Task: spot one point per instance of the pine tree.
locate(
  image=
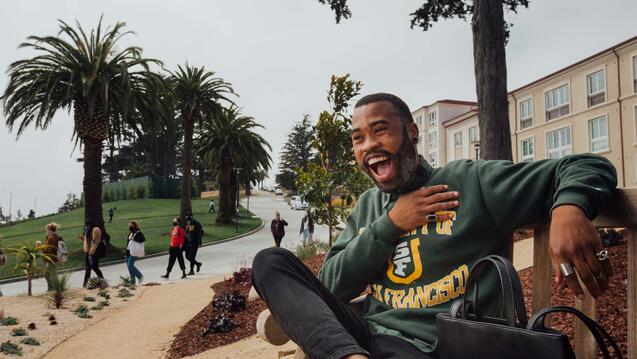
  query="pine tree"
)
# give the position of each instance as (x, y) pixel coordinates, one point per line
(297, 153)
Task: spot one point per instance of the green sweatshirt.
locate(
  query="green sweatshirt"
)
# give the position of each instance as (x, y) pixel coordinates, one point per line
(415, 275)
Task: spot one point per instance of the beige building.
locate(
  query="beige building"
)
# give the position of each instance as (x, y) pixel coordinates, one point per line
(430, 119)
(589, 106)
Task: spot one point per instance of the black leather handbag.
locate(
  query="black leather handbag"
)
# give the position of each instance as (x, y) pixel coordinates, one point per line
(465, 333)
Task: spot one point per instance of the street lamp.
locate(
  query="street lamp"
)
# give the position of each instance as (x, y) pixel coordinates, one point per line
(236, 208)
(476, 146)
(10, 202)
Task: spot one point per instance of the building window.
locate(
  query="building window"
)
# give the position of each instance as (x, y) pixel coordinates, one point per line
(596, 84)
(598, 132)
(433, 139)
(457, 139)
(432, 159)
(559, 143)
(528, 153)
(526, 114)
(419, 120)
(473, 134)
(635, 74)
(433, 120)
(557, 102)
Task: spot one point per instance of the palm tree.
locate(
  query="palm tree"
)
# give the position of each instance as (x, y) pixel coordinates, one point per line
(198, 95)
(229, 142)
(31, 260)
(88, 74)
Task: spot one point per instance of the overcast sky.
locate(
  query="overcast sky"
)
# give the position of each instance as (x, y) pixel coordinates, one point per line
(279, 56)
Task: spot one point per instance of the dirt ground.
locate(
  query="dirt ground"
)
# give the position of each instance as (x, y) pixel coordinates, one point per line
(38, 309)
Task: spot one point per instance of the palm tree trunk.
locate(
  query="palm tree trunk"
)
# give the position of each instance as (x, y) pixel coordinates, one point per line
(29, 293)
(226, 206)
(92, 184)
(186, 177)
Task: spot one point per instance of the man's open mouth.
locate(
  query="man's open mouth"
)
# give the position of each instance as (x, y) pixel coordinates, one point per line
(381, 167)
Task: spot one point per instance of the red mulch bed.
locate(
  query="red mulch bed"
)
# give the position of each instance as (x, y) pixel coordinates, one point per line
(191, 340)
(612, 309)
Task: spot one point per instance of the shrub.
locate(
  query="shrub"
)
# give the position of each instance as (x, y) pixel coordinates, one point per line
(80, 309)
(141, 192)
(219, 324)
(59, 285)
(18, 332)
(233, 302)
(244, 275)
(124, 293)
(8, 321)
(31, 326)
(84, 315)
(89, 299)
(10, 348)
(310, 249)
(127, 282)
(95, 282)
(103, 303)
(30, 341)
(104, 294)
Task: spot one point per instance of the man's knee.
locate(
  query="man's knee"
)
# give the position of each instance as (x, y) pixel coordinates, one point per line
(268, 260)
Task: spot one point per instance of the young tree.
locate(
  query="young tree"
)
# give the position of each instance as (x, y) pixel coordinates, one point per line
(30, 259)
(296, 154)
(490, 33)
(336, 175)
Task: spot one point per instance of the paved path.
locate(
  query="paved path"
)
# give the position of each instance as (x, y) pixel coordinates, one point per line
(217, 259)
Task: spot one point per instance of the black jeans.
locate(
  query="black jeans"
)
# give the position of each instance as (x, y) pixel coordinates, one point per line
(312, 317)
(91, 263)
(191, 255)
(277, 240)
(175, 253)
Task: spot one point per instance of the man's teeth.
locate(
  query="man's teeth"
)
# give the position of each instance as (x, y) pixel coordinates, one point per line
(375, 160)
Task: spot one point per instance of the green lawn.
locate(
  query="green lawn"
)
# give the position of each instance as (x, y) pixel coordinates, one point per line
(155, 217)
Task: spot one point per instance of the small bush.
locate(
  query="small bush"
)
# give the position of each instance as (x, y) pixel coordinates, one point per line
(84, 315)
(32, 326)
(30, 341)
(127, 282)
(104, 294)
(124, 293)
(310, 249)
(103, 303)
(51, 317)
(233, 302)
(244, 275)
(100, 305)
(89, 299)
(18, 332)
(219, 324)
(80, 309)
(53, 322)
(8, 321)
(10, 348)
(95, 283)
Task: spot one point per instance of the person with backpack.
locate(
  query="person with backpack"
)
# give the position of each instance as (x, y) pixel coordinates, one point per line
(52, 243)
(135, 250)
(278, 228)
(177, 238)
(194, 235)
(94, 247)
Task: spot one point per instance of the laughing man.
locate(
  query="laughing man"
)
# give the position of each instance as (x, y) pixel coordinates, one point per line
(413, 238)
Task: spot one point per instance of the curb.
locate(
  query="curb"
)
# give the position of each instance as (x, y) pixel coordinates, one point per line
(120, 261)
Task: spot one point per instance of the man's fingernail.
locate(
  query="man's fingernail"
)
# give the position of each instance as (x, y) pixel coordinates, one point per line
(446, 186)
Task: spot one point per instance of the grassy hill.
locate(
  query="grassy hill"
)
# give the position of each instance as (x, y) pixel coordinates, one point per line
(155, 217)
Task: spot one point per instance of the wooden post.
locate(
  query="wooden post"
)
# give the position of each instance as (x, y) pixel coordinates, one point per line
(631, 257)
(541, 270)
(585, 344)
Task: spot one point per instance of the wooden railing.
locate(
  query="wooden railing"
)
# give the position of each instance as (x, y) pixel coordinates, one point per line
(620, 212)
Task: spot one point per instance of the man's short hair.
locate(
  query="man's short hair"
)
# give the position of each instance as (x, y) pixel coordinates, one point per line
(400, 105)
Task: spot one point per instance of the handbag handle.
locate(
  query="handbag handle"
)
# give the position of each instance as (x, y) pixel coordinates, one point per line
(536, 323)
(511, 290)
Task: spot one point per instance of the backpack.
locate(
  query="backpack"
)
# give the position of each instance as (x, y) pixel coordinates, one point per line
(62, 252)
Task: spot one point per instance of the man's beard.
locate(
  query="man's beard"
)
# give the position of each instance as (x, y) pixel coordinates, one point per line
(405, 162)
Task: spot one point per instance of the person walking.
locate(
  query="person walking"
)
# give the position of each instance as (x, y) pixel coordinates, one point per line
(211, 207)
(176, 245)
(307, 227)
(278, 228)
(51, 250)
(111, 212)
(135, 250)
(94, 247)
(194, 235)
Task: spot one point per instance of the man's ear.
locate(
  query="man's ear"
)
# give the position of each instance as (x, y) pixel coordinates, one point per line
(412, 130)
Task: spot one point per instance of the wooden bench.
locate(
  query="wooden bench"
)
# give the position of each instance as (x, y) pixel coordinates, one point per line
(620, 212)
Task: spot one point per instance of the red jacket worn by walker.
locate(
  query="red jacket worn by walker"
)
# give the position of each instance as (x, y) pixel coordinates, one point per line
(177, 237)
